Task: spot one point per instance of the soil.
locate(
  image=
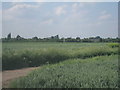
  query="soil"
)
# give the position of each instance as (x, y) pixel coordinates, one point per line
(10, 75)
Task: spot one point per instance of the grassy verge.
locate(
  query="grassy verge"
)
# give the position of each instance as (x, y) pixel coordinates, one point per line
(96, 72)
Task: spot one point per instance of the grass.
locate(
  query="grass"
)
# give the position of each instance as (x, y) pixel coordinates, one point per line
(113, 45)
(21, 46)
(96, 72)
(30, 54)
(63, 65)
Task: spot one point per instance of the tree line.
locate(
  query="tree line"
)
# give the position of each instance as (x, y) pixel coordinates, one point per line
(57, 39)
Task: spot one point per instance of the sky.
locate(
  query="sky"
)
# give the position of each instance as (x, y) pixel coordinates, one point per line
(66, 19)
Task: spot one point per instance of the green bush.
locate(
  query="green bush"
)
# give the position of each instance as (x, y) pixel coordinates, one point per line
(114, 45)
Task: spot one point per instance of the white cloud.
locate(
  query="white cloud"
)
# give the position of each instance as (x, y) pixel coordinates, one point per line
(77, 14)
(22, 6)
(81, 5)
(17, 9)
(104, 17)
(77, 17)
(75, 5)
(104, 12)
(97, 23)
(60, 10)
(49, 21)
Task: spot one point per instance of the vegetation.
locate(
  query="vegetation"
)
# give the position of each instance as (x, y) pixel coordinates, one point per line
(19, 55)
(96, 72)
(113, 45)
(63, 65)
(56, 38)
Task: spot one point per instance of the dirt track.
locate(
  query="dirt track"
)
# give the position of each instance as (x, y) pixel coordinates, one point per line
(9, 75)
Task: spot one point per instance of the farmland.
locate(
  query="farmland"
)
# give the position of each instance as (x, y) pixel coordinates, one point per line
(63, 65)
(99, 72)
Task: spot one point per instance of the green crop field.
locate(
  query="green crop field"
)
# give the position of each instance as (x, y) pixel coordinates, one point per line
(98, 72)
(63, 65)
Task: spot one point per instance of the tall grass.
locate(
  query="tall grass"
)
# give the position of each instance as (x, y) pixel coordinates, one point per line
(113, 45)
(13, 59)
(26, 58)
(97, 72)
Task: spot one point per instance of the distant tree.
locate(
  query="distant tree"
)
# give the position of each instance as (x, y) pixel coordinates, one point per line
(117, 39)
(78, 39)
(35, 38)
(97, 37)
(68, 39)
(86, 40)
(9, 36)
(101, 40)
(18, 37)
(57, 36)
(62, 39)
(91, 37)
(52, 37)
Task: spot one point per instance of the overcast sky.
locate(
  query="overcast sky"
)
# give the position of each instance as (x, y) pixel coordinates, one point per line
(67, 19)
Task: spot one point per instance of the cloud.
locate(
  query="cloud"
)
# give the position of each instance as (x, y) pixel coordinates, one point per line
(60, 10)
(22, 6)
(49, 21)
(17, 10)
(75, 5)
(94, 24)
(104, 12)
(77, 11)
(76, 14)
(81, 5)
(104, 15)
(76, 17)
